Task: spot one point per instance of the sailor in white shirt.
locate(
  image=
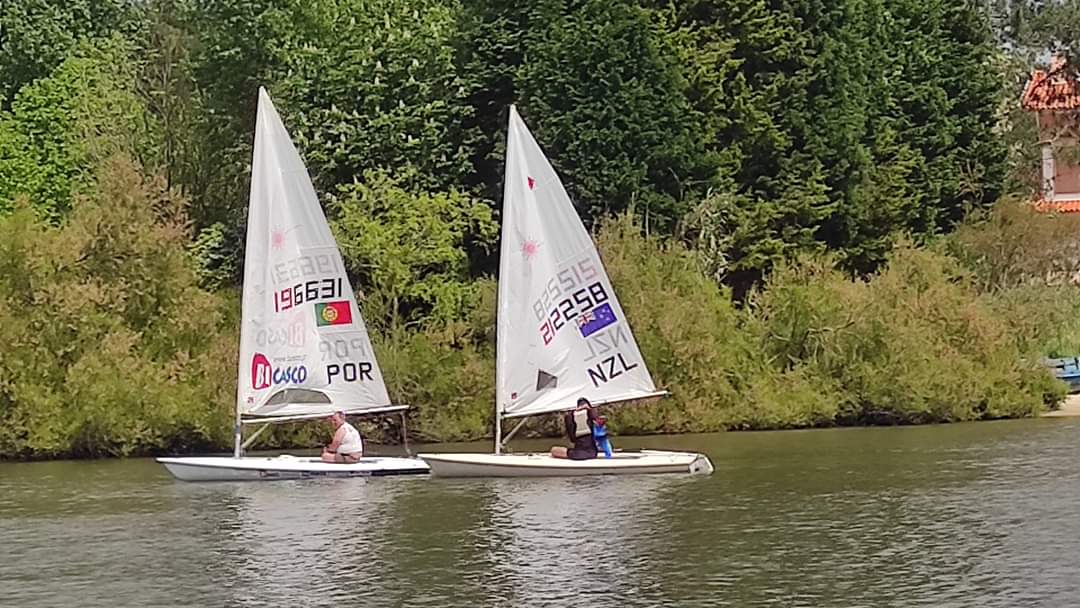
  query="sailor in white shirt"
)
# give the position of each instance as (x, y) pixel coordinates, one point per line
(346, 447)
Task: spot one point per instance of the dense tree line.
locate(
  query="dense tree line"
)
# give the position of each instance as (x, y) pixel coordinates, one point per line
(756, 129)
(733, 137)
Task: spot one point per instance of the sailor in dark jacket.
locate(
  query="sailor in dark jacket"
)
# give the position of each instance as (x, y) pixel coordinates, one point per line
(579, 429)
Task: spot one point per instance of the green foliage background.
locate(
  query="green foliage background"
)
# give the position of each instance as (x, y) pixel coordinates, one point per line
(826, 188)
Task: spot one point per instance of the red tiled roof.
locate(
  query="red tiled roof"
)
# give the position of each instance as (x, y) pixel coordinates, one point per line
(1069, 206)
(1056, 89)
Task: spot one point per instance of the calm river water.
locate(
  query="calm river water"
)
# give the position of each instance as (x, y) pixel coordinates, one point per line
(962, 515)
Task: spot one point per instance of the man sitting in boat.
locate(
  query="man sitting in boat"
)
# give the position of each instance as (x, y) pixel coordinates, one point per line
(579, 428)
(346, 447)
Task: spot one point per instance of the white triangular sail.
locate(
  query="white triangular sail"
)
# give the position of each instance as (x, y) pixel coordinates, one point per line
(304, 349)
(561, 331)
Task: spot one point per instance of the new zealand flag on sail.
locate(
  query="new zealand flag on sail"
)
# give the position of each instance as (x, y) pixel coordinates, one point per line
(596, 319)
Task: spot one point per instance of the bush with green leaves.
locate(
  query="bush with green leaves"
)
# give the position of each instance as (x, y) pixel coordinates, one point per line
(447, 379)
(61, 127)
(111, 348)
(1027, 264)
(407, 250)
(689, 333)
(914, 343)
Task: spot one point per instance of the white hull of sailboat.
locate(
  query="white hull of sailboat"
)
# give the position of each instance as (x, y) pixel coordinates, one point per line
(543, 465)
(219, 468)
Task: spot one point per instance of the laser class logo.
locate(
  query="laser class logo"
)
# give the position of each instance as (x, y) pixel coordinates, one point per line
(333, 313)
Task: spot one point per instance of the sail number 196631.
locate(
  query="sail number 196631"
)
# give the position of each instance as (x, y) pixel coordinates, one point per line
(308, 291)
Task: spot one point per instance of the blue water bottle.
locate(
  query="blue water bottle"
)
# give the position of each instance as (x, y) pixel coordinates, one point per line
(599, 434)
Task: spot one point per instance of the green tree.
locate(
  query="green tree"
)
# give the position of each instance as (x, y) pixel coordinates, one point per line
(605, 97)
(490, 40)
(61, 127)
(838, 125)
(361, 86)
(784, 113)
(226, 49)
(602, 90)
(37, 35)
(166, 84)
(948, 94)
(375, 86)
(406, 249)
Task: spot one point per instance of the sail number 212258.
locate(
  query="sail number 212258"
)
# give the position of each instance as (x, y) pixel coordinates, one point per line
(575, 292)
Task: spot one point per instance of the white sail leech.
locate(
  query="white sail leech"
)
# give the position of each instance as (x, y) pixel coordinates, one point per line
(304, 348)
(561, 331)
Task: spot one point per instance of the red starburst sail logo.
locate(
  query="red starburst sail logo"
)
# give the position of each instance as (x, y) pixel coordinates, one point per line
(277, 239)
(529, 248)
(278, 236)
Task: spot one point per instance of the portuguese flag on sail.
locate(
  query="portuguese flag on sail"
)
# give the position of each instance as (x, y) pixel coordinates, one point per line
(333, 313)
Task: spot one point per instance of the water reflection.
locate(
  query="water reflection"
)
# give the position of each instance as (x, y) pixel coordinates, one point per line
(300, 542)
(950, 516)
(571, 539)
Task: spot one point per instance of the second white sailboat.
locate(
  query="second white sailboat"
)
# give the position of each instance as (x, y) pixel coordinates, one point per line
(562, 334)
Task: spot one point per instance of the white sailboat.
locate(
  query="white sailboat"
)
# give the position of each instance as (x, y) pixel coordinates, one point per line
(304, 349)
(561, 332)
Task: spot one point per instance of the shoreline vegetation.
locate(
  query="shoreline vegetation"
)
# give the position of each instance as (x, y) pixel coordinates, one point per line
(1070, 408)
(797, 242)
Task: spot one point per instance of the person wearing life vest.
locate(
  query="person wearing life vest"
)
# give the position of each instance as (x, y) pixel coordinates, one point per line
(346, 446)
(579, 429)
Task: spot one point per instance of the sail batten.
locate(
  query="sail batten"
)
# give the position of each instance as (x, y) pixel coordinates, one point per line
(561, 332)
(304, 349)
(348, 410)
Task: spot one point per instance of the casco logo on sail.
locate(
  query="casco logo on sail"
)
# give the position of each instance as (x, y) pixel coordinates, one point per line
(264, 375)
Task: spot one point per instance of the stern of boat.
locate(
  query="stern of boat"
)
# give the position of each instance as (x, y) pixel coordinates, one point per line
(701, 465)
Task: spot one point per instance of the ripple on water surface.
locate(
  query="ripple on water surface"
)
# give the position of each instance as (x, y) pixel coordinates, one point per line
(960, 515)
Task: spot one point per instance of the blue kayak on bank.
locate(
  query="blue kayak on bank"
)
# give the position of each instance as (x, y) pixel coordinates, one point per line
(1066, 369)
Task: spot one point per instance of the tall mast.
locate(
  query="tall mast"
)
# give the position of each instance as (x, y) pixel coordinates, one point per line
(238, 435)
